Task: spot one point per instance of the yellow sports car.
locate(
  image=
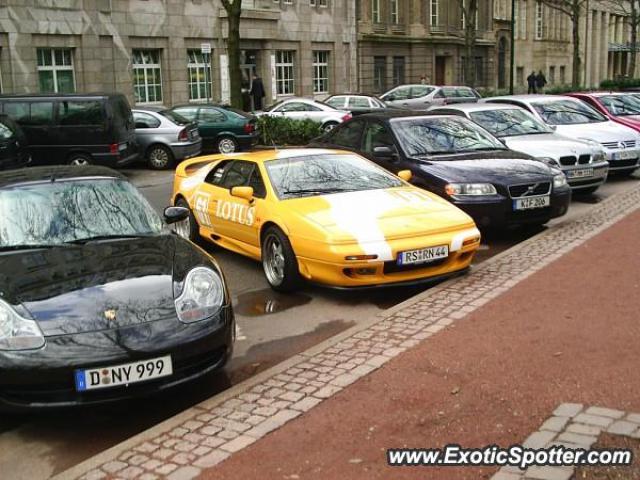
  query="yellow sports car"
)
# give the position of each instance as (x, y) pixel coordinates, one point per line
(327, 216)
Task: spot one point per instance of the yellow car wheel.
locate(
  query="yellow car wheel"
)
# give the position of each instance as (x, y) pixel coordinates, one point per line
(279, 261)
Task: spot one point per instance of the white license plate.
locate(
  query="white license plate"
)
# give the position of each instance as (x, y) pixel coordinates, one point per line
(581, 173)
(529, 203)
(625, 155)
(424, 255)
(123, 374)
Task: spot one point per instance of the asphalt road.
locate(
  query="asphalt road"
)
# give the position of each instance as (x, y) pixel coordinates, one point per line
(272, 327)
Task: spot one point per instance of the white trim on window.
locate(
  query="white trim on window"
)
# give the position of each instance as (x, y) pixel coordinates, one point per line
(285, 72)
(55, 61)
(147, 76)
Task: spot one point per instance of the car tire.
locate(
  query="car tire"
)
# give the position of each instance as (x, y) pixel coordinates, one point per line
(188, 228)
(79, 159)
(159, 157)
(327, 127)
(227, 145)
(279, 262)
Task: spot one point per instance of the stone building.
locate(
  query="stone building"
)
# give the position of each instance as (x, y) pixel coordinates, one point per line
(152, 49)
(402, 40)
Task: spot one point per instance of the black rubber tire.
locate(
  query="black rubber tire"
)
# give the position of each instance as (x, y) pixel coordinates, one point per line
(194, 231)
(327, 127)
(227, 139)
(79, 159)
(169, 155)
(291, 280)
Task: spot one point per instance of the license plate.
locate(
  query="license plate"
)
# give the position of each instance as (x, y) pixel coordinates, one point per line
(125, 374)
(581, 173)
(625, 155)
(532, 202)
(424, 255)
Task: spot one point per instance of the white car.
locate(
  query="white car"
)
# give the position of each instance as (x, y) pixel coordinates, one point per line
(306, 109)
(421, 97)
(584, 163)
(575, 119)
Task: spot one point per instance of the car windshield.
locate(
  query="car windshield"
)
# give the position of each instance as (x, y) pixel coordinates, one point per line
(324, 174)
(65, 211)
(621, 105)
(174, 117)
(567, 112)
(507, 123)
(431, 136)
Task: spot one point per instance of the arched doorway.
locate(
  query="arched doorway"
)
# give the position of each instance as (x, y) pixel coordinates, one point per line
(502, 62)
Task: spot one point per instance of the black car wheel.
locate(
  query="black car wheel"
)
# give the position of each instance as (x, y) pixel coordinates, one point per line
(79, 159)
(227, 145)
(279, 261)
(159, 157)
(188, 228)
(327, 127)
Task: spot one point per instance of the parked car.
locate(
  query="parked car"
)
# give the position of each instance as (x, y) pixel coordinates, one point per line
(620, 107)
(165, 137)
(421, 97)
(14, 149)
(356, 104)
(460, 161)
(575, 119)
(583, 163)
(305, 109)
(329, 217)
(103, 301)
(223, 129)
(75, 129)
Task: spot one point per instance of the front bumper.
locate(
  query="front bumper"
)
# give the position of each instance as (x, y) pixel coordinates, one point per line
(183, 151)
(600, 171)
(497, 211)
(617, 164)
(45, 378)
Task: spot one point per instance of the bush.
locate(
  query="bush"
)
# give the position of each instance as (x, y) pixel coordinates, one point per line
(281, 131)
(620, 83)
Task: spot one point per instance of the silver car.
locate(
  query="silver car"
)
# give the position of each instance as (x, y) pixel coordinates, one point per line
(164, 137)
(421, 97)
(583, 162)
(306, 109)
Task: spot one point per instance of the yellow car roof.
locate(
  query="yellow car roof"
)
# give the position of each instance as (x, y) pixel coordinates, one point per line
(273, 154)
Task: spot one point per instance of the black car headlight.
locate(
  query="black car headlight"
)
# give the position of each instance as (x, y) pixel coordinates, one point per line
(17, 332)
(202, 295)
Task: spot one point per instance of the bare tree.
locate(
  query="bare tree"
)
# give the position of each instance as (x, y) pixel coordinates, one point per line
(234, 10)
(469, 9)
(574, 10)
(631, 9)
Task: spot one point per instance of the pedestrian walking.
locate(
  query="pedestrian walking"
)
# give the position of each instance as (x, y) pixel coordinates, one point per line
(531, 82)
(541, 81)
(257, 92)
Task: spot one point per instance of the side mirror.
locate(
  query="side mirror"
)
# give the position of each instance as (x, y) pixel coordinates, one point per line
(243, 192)
(385, 153)
(405, 175)
(175, 214)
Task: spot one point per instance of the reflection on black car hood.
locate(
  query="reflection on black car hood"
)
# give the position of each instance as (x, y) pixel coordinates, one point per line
(77, 289)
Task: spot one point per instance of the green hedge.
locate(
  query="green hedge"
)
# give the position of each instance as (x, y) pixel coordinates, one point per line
(282, 131)
(620, 84)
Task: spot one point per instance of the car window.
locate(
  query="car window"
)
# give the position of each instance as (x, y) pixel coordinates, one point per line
(174, 117)
(336, 102)
(509, 122)
(190, 113)
(144, 120)
(238, 174)
(297, 107)
(256, 182)
(567, 112)
(376, 135)
(449, 92)
(19, 111)
(80, 112)
(211, 115)
(621, 105)
(375, 103)
(358, 102)
(5, 132)
(400, 93)
(420, 91)
(438, 94)
(215, 176)
(348, 135)
(465, 92)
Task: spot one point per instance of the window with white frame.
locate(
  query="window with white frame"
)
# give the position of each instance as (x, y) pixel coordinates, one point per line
(285, 74)
(199, 76)
(395, 15)
(319, 3)
(147, 76)
(434, 13)
(539, 20)
(375, 11)
(55, 70)
(320, 71)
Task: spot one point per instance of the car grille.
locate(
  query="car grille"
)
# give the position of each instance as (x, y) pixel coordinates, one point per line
(571, 160)
(541, 188)
(632, 162)
(616, 145)
(584, 159)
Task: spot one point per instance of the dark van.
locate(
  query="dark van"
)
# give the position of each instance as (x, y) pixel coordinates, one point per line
(14, 152)
(76, 129)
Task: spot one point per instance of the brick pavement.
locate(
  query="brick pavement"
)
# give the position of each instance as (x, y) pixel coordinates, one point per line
(209, 433)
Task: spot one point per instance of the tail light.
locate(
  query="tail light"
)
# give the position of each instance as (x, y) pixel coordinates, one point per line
(113, 149)
(183, 136)
(249, 128)
(346, 117)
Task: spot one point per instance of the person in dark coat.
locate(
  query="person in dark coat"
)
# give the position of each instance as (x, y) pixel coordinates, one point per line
(541, 81)
(257, 92)
(531, 82)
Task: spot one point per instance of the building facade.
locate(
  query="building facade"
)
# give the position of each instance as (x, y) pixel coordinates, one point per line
(152, 50)
(401, 41)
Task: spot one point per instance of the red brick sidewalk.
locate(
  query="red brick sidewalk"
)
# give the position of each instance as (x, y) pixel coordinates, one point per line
(568, 333)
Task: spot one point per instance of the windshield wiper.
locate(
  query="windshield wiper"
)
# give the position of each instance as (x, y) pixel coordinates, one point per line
(97, 238)
(317, 190)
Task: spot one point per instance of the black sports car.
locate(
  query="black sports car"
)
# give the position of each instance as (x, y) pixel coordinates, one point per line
(99, 300)
(456, 159)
